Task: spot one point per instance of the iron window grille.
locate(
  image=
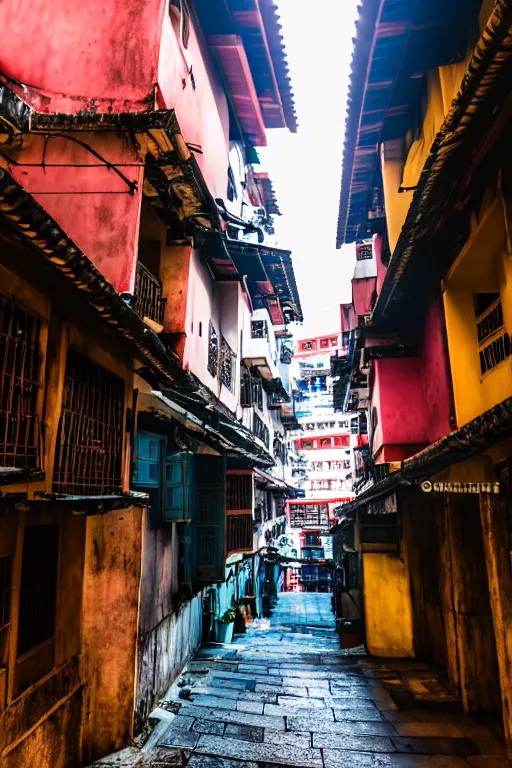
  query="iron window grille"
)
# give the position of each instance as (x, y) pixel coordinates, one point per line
(89, 449)
(20, 370)
(213, 352)
(38, 591)
(239, 533)
(259, 329)
(257, 392)
(245, 387)
(493, 341)
(261, 430)
(5, 590)
(227, 365)
(309, 515)
(286, 354)
(364, 251)
(148, 295)
(239, 492)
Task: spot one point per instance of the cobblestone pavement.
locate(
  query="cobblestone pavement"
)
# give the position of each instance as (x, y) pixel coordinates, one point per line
(285, 695)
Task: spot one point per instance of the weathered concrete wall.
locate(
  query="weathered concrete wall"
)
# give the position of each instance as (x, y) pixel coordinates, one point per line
(163, 652)
(109, 629)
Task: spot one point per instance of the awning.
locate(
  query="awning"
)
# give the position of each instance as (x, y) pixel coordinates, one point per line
(473, 438)
(211, 422)
(15, 476)
(470, 130)
(270, 276)
(397, 43)
(230, 53)
(257, 23)
(81, 504)
(275, 483)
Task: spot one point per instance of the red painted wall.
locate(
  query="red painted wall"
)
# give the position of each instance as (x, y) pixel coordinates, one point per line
(412, 395)
(109, 56)
(362, 292)
(91, 203)
(436, 376)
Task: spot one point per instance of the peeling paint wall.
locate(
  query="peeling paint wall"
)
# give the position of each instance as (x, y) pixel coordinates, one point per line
(109, 629)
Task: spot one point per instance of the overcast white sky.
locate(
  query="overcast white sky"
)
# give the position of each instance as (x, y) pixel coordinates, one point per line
(306, 167)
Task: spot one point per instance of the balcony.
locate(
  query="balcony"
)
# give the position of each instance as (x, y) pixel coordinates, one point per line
(259, 350)
(148, 301)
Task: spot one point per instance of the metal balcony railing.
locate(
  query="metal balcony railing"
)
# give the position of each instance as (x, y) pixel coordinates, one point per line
(148, 295)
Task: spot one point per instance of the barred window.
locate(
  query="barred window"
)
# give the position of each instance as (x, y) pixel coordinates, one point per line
(88, 458)
(213, 352)
(259, 329)
(227, 365)
(364, 251)
(493, 341)
(257, 392)
(20, 367)
(245, 387)
(239, 535)
(261, 430)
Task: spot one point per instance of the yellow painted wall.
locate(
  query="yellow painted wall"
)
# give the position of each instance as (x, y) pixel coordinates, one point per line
(483, 265)
(388, 609)
(396, 203)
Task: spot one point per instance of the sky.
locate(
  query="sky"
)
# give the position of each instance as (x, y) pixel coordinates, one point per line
(305, 167)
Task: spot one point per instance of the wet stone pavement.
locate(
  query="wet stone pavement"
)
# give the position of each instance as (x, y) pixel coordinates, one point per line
(284, 694)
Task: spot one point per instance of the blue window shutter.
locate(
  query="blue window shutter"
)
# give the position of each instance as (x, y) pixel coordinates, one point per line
(178, 487)
(148, 451)
(210, 515)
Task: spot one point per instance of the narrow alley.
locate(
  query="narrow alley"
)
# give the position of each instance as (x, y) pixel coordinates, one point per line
(285, 695)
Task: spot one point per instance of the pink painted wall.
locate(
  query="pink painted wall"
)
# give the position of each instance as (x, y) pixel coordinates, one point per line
(398, 396)
(436, 376)
(362, 292)
(91, 203)
(83, 51)
(412, 395)
(109, 56)
(381, 269)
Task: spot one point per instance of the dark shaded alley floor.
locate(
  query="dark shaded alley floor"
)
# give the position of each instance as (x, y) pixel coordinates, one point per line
(285, 695)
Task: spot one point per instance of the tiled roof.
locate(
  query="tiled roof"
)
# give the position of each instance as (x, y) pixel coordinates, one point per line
(396, 42)
(458, 151)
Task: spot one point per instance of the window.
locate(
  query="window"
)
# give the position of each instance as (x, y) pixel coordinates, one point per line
(148, 450)
(38, 591)
(493, 341)
(239, 492)
(88, 458)
(259, 329)
(20, 365)
(309, 515)
(261, 430)
(257, 392)
(245, 387)
(213, 352)
(239, 533)
(364, 251)
(194, 491)
(227, 365)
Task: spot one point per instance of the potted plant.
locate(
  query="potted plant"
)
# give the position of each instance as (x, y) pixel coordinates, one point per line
(225, 625)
